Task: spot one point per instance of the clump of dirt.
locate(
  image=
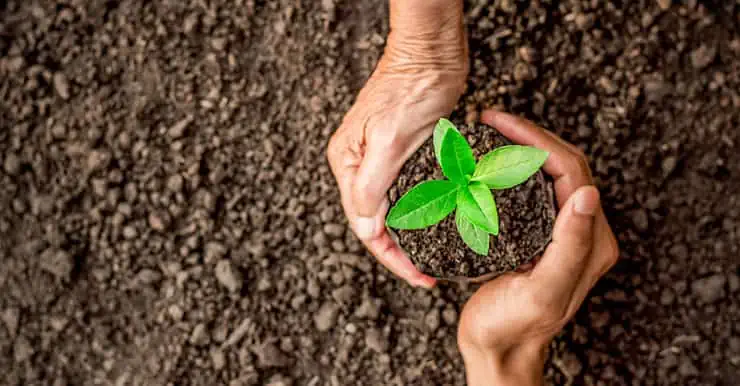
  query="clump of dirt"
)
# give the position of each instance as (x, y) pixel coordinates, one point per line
(526, 218)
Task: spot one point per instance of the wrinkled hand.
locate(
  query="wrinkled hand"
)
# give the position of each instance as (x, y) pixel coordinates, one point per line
(417, 81)
(509, 322)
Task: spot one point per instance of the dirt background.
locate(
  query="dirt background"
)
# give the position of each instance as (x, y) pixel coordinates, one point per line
(526, 217)
(167, 216)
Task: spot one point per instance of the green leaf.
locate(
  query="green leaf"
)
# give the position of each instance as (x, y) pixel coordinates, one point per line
(439, 133)
(484, 198)
(468, 207)
(476, 238)
(509, 166)
(458, 163)
(424, 205)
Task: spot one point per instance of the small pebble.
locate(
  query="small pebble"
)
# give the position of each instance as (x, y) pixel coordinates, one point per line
(176, 312)
(641, 220)
(669, 165)
(61, 85)
(269, 355)
(158, 220)
(129, 232)
(178, 129)
(214, 251)
(334, 230)
(97, 160)
(449, 315)
(709, 289)
(687, 368)
(175, 183)
(528, 54)
(12, 164)
(11, 318)
(57, 262)
(375, 340)
(326, 317)
(279, 380)
(59, 131)
(22, 349)
(432, 319)
(199, 336)
(218, 44)
(229, 276)
(148, 276)
(368, 309)
(703, 56)
(218, 359)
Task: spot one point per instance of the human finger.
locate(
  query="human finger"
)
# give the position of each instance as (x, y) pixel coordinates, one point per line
(566, 164)
(382, 160)
(562, 265)
(604, 255)
(344, 160)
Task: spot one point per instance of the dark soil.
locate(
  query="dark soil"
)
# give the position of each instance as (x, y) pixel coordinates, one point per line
(167, 216)
(526, 218)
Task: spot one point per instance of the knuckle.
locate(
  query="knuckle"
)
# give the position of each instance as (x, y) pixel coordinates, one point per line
(554, 316)
(582, 160)
(571, 163)
(576, 161)
(474, 329)
(546, 308)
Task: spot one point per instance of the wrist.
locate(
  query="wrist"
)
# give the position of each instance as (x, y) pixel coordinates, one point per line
(519, 366)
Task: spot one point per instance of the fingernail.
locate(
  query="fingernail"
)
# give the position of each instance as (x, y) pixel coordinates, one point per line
(586, 202)
(365, 227)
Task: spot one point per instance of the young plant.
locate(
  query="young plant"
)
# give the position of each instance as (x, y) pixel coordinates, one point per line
(468, 187)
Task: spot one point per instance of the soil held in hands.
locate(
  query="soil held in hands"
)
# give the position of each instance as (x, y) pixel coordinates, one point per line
(526, 212)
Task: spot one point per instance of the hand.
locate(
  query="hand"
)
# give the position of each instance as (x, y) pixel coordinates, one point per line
(509, 322)
(417, 81)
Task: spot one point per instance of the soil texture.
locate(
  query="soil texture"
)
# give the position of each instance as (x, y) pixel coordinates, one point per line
(167, 215)
(526, 218)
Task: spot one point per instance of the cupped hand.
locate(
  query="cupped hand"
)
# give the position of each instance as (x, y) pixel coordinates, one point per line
(417, 81)
(508, 323)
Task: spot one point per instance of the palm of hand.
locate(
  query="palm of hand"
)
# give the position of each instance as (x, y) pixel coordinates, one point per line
(508, 312)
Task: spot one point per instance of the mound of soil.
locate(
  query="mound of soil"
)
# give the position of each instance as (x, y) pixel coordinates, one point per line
(526, 218)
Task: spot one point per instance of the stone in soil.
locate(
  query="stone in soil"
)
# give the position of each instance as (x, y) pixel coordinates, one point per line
(57, 262)
(229, 275)
(326, 317)
(709, 289)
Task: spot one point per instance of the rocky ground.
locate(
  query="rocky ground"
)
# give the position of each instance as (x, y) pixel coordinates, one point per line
(167, 215)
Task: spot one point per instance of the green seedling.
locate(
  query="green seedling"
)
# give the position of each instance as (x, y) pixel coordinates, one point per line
(467, 187)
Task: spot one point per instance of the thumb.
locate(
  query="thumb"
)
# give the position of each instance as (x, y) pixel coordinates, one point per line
(379, 167)
(572, 241)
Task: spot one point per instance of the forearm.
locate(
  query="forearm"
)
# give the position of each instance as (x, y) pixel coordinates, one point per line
(427, 18)
(428, 31)
(520, 367)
